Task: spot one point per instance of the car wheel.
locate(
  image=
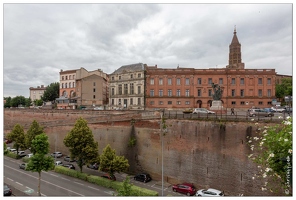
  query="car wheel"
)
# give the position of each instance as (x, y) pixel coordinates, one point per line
(188, 194)
(174, 190)
(199, 195)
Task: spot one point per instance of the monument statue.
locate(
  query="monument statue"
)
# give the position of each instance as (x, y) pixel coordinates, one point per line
(217, 92)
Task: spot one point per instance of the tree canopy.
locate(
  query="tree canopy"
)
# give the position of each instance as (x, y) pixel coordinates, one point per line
(111, 163)
(81, 144)
(18, 101)
(40, 161)
(34, 130)
(51, 92)
(284, 89)
(17, 135)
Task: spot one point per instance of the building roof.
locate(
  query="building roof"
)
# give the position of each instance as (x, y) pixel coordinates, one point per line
(129, 68)
(234, 38)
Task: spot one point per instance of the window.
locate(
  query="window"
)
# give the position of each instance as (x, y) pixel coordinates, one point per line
(120, 89)
(94, 83)
(210, 81)
(269, 103)
(233, 81)
(152, 93)
(112, 91)
(178, 93)
(210, 92)
(199, 81)
(66, 85)
(62, 77)
(199, 92)
(119, 101)
(112, 78)
(125, 89)
(160, 81)
(139, 75)
(178, 81)
(178, 102)
(269, 81)
(94, 90)
(260, 93)
(66, 77)
(94, 96)
(187, 81)
(112, 101)
(242, 93)
(242, 103)
(62, 85)
(132, 76)
(152, 81)
(69, 85)
(170, 102)
(220, 81)
(69, 76)
(242, 81)
(233, 103)
(131, 88)
(131, 101)
(169, 81)
(73, 84)
(260, 81)
(119, 77)
(151, 102)
(269, 92)
(187, 102)
(160, 102)
(187, 93)
(169, 93)
(232, 93)
(160, 93)
(73, 76)
(139, 101)
(139, 89)
(260, 103)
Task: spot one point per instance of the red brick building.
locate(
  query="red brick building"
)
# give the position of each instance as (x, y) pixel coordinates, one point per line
(192, 88)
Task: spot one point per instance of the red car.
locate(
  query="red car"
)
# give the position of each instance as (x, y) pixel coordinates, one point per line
(185, 188)
(108, 176)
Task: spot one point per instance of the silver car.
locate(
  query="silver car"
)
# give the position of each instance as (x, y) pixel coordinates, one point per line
(209, 193)
(260, 112)
(202, 110)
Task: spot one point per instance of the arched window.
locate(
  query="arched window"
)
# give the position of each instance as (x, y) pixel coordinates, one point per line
(65, 85)
(69, 85)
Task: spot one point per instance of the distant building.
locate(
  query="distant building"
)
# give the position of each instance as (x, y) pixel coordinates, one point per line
(36, 93)
(127, 87)
(70, 94)
(192, 88)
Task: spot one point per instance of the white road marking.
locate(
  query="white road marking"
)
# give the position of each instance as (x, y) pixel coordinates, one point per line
(94, 188)
(78, 183)
(19, 183)
(9, 179)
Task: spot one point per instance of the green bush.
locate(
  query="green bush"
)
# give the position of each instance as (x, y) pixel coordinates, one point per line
(12, 155)
(70, 172)
(25, 159)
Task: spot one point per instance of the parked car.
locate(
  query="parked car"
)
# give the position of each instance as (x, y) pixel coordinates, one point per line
(68, 159)
(98, 108)
(278, 109)
(187, 111)
(185, 188)
(57, 154)
(58, 162)
(70, 166)
(29, 155)
(23, 166)
(7, 141)
(209, 193)
(93, 166)
(12, 150)
(7, 191)
(22, 154)
(260, 113)
(288, 110)
(108, 176)
(144, 177)
(268, 110)
(202, 110)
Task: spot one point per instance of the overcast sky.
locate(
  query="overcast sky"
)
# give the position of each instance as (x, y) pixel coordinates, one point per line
(42, 39)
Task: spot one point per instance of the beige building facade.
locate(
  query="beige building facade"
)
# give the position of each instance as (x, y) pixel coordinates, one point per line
(36, 93)
(127, 87)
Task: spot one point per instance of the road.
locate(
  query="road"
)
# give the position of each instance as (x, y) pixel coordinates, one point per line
(55, 184)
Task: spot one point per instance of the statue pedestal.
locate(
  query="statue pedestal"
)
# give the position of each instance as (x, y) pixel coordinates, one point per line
(216, 105)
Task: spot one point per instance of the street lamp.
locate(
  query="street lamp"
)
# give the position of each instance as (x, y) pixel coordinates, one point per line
(163, 131)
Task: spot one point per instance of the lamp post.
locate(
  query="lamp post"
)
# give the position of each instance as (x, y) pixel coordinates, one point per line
(163, 131)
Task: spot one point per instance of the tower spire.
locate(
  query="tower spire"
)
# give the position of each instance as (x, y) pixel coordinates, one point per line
(234, 29)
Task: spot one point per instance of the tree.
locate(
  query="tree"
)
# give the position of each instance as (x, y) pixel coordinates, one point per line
(17, 101)
(28, 102)
(40, 161)
(7, 102)
(111, 163)
(17, 135)
(273, 152)
(35, 129)
(38, 102)
(5, 149)
(126, 189)
(284, 89)
(51, 92)
(81, 144)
